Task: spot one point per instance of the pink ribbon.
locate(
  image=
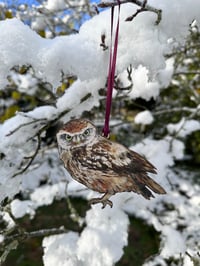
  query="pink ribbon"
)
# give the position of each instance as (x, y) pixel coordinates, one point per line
(111, 72)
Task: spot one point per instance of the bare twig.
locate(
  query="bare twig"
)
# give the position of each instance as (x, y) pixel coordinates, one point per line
(103, 44)
(193, 111)
(12, 245)
(129, 72)
(195, 259)
(24, 125)
(176, 133)
(143, 7)
(73, 213)
(39, 233)
(187, 73)
(32, 157)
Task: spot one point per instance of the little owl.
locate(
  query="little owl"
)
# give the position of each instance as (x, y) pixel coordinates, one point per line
(102, 165)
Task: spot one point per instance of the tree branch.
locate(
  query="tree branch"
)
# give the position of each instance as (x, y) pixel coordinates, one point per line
(25, 124)
(39, 233)
(143, 7)
(11, 242)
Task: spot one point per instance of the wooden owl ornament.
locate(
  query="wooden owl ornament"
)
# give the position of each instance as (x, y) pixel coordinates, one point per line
(102, 165)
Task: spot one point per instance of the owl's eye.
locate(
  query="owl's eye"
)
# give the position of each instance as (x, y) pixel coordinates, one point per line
(87, 132)
(68, 137)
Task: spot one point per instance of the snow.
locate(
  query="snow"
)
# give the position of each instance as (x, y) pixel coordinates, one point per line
(9, 221)
(154, 150)
(175, 245)
(100, 243)
(144, 118)
(25, 82)
(144, 46)
(43, 113)
(48, 57)
(178, 149)
(183, 127)
(81, 89)
(142, 86)
(141, 39)
(20, 208)
(165, 75)
(46, 194)
(53, 5)
(60, 250)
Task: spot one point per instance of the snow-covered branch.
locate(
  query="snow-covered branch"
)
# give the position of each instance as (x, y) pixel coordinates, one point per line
(143, 7)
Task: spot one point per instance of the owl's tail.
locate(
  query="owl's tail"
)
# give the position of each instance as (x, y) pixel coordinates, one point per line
(144, 183)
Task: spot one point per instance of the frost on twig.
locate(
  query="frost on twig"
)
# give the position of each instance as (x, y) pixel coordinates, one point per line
(143, 7)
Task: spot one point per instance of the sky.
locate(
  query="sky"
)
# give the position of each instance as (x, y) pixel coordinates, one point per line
(17, 2)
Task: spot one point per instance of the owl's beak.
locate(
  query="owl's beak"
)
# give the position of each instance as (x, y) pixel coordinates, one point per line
(76, 139)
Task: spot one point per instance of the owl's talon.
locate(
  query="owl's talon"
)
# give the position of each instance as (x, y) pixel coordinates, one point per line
(104, 203)
(104, 200)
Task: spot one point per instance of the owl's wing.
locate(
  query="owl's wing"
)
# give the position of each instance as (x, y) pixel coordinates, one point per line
(116, 157)
(115, 160)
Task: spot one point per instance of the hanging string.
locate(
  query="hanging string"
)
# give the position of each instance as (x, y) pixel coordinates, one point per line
(111, 71)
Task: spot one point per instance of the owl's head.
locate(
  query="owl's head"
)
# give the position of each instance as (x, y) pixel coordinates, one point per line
(76, 133)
